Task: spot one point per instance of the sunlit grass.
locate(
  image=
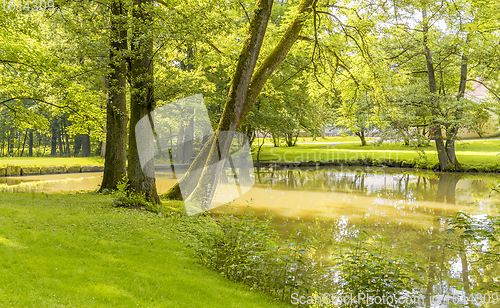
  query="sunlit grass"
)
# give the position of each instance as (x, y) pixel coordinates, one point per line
(77, 251)
(51, 161)
(317, 140)
(481, 154)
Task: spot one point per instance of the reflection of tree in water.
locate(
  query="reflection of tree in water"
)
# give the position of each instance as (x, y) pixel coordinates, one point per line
(439, 186)
(447, 186)
(313, 180)
(445, 269)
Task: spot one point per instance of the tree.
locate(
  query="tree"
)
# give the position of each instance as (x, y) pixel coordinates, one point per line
(358, 116)
(245, 88)
(441, 50)
(142, 100)
(116, 106)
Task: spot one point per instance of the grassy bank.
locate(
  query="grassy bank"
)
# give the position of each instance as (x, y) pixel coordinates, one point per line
(480, 155)
(51, 161)
(326, 140)
(77, 251)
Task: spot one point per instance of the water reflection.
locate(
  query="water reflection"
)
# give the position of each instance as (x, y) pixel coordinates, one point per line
(51, 183)
(403, 206)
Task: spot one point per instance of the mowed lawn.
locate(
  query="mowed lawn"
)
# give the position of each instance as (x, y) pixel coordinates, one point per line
(51, 161)
(78, 251)
(471, 154)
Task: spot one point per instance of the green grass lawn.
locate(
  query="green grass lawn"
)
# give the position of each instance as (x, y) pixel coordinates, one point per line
(77, 251)
(481, 154)
(325, 140)
(51, 161)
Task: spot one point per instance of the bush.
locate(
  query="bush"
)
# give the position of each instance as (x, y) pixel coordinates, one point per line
(123, 197)
(248, 250)
(251, 252)
(368, 269)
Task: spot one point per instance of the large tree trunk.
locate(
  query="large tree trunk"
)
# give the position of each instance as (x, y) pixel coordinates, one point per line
(233, 111)
(53, 141)
(30, 143)
(438, 135)
(78, 145)
(142, 101)
(85, 145)
(361, 135)
(451, 134)
(243, 88)
(115, 164)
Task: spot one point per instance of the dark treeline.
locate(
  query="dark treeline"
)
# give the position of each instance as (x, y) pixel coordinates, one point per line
(27, 140)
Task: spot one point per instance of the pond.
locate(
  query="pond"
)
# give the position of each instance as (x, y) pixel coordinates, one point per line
(402, 205)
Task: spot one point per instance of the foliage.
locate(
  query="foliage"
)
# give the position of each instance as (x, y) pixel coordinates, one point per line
(368, 267)
(250, 251)
(124, 197)
(479, 155)
(482, 234)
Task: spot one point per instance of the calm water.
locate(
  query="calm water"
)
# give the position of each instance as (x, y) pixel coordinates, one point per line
(402, 205)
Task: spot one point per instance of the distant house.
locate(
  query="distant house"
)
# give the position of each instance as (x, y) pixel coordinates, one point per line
(480, 93)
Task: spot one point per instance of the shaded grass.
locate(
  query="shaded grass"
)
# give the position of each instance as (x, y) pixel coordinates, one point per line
(77, 251)
(51, 161)
(480, 155)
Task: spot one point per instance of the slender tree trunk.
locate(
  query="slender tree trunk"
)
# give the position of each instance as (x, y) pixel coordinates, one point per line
(85, 145)
(438, 135)
(103, 149)
(115, 163)
(361, 135)
(66, 139)
(30, 143)
(276, 141)
(40, 144)
(24, 142)
(451, 134)
(188, 142)
(54, 133)
(59, 141)
(180, 144)
(142, 101)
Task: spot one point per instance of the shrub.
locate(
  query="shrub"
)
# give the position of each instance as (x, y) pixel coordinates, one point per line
(250, 251)
(369, 269)
(124, 197)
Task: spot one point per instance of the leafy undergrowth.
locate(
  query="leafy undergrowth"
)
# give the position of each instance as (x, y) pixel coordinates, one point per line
(78, 251)
(248, 250)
